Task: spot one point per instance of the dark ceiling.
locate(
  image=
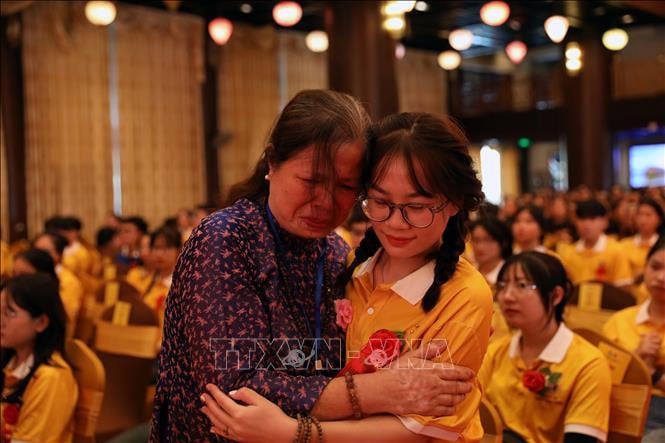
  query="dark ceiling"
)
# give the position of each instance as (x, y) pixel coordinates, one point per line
(429, 29)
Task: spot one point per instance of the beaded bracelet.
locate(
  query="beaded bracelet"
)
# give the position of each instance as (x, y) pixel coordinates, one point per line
(299, 430)
(319, 428)
(351, 388)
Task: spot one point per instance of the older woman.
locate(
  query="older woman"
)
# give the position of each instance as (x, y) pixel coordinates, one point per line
(251, 302)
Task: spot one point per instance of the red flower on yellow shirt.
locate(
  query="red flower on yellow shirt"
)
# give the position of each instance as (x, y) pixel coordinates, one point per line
(381, 349)
(10, 413)
(540, 381)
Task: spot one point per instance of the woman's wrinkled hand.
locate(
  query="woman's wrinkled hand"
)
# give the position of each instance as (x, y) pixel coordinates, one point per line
(257, 420)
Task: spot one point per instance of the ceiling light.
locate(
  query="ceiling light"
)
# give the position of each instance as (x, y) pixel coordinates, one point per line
(317, 41)
(495, 13)
(615, 39)
(422, 6)
(100, 13)
(449, 60)
(516, 51)
(461, 39)
(220, 30)
(556, 28)
(287, 13)
(573, 51)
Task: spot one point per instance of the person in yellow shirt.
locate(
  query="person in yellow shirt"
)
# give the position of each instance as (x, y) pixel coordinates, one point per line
(407, 275)
(595, 256)
(33, 261)
(76, 256)
(71, 288)
(39, 391)
(642, 329)
(649, 222)
(492, 244)
(528, 227)
(5, 261)
(547, 383)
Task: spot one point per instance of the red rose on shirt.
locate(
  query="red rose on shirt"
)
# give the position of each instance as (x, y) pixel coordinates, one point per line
(11, 413)
(380, 350)
(534, 381)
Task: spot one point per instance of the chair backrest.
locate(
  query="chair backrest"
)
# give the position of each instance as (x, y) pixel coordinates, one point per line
(108, 294)
(629, 402)
(91, 379)
(491, 421)
(128, 352)
(592, 303)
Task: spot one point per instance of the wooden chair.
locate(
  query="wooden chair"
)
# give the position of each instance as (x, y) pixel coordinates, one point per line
(91, 379)
(593, 303)
(491, 421)
(629, 402)
(93, 307)
(128, 353)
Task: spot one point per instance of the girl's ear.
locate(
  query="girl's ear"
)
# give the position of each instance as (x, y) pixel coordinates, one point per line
(451, 209)
(41, 323)
(557, 295)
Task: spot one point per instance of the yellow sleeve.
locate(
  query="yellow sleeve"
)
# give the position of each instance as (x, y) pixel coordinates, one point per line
(611, 328)
(48, 406)
(589, 404)
(71, 294)
(487, 368)
(467, 333)
(623, 275)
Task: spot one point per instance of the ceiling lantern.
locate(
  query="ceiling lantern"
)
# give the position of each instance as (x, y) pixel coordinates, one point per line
(615, 39)
(100, 13)
(398, 7)
(495, 13)
(516, 51)
(449, 60)
(461, 39)
(556, 28)
(317, 41)
(400, 51)
(220, 30)
(287, 13)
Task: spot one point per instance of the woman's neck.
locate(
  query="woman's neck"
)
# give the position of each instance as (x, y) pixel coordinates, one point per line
(535, 339)
(657, 311)
(390, 269)
(646, 235)
(489, 266)
(528, 246)
(22, 354)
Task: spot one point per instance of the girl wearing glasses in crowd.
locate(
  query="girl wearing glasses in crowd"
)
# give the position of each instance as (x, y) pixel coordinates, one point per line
(547, 383)
(407, 276)
(255, 287)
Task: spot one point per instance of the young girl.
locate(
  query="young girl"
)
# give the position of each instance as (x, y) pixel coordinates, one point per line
(33, 261)
(492, 244)
(649, 222)
(529, 226)
(547, 383)
(407, 276)
(39, 391)
(642, 329)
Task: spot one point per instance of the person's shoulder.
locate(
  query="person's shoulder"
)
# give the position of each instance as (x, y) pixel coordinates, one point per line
(625, 314)
(338, 245)
(230, 224)
(582, 353)
(57, 370)
(499, 346)
(468, 279)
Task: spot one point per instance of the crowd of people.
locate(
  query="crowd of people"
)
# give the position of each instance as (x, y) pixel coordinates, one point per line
(347, 234)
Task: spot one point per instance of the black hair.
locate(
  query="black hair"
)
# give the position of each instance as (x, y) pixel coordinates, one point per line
(499, 232)
(171, 222)
(436, 153)
(38, 294)
(73, 223)
(537, 214)
(59, 242)
(40, 260)
(660, 244)
(590, 209)
(105, 236)
(170, 235)
(137, 221)
(546, 272)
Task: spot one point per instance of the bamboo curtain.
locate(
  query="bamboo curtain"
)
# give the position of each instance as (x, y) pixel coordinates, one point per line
(421, 83)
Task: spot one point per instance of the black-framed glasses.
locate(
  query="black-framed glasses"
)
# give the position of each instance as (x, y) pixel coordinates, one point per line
(415, 214)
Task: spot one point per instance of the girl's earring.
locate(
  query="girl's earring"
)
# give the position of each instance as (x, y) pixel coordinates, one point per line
(267, 177)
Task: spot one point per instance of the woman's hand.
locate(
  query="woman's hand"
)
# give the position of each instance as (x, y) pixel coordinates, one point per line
(259, 421)
(423, 387)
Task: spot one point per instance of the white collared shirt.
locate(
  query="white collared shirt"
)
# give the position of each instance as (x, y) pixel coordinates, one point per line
(600, 246)
(554, 352)
(639, 240)
(411, 288)
(22, 370)
(494, 273)
(643, 313)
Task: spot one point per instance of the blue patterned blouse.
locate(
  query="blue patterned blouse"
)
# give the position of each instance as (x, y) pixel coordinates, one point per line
(235, 316)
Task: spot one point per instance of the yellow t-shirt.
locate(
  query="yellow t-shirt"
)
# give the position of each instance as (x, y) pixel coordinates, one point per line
(606, 261)
(49, 400)
(579, 404)
(71, 293)
(636, 249)
(462, 316)
(140, 278)
(626, 326)
(78, 258)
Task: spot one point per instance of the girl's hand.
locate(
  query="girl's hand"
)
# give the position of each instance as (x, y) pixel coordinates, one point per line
(649, 347)
(258, 421)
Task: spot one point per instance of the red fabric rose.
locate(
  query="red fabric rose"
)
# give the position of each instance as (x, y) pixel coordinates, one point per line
(534, 381)
(381, 349)
(11, 413)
